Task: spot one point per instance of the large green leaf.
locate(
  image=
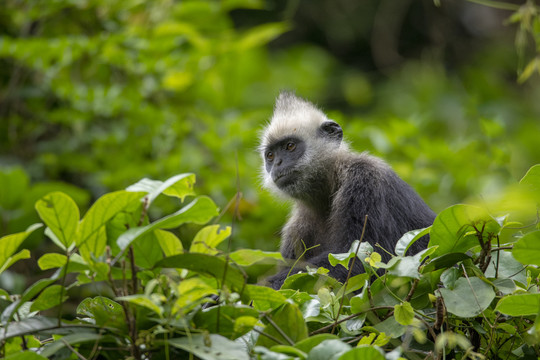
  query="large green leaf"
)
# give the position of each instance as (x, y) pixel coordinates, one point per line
(60, 213)
(103, 311)
(290, 321)
(408, 239)
(468, 299)
(527, 249)
(178, 186)
(199, 211)
(451, 227)
(519, 305)
(531, 181)
(9, 245)
(92, 237)
(169, 243)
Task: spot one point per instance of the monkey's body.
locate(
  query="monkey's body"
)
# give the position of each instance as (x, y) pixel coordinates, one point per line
(334, 189)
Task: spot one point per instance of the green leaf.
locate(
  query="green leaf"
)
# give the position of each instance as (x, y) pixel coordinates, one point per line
(261, 34)
(146, 252)
(60, 213)
(363, 352)
(468, 300)
(80, 337)
(23, 254)
(103, 312)
(234, 320)
(92, 237)
(328, 350)
(532, 66)
(444, 261)
(342, 259)
(309, 343)
(404, 313)
(50, 297)
(169, 243)
(9, 245)
(13, 187)
(199, 211)
(290, 321)
(391, 328)
(178, 186)
(408, 239)
(450, 228)
(28, 326)
(211, 347)
(208, 238)
(247, 257)
(404, 266)
(527, 249)
(519, 305)
(53, 261)
(144, 301)
(25, 355)
(206, 264)
(265, 298)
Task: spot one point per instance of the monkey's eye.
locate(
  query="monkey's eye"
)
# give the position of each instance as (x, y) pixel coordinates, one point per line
(269, 156)
(291, 146)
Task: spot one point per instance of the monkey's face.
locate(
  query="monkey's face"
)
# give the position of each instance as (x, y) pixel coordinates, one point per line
(294, 164)
(282, 159)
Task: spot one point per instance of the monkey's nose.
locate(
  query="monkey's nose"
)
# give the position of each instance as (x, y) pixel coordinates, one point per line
(278, 162)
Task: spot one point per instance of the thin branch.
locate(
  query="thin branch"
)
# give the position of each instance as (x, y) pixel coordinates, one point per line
(350, 272)
(278, 329)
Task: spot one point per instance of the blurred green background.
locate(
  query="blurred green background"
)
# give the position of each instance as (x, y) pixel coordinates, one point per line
(97, 94)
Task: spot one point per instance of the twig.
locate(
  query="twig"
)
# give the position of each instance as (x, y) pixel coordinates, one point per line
(269, 336)
(350, 272)
(278, 329)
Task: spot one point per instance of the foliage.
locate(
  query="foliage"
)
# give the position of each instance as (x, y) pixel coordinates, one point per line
(473, 293)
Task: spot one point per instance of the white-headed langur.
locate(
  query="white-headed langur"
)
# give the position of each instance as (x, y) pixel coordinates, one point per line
(333, 188)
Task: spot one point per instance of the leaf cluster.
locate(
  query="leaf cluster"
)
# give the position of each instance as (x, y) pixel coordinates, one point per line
(473, 293)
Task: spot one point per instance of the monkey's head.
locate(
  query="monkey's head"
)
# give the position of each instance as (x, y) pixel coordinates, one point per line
(297, 146)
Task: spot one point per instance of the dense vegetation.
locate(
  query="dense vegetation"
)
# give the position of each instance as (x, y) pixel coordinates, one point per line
(97, 94)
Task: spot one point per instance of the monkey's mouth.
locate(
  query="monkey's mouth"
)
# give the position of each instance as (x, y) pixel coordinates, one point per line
(285, 179)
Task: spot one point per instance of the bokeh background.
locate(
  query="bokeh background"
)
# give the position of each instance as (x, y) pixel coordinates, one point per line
(97, 94)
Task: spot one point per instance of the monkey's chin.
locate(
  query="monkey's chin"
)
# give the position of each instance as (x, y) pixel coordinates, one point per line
(285, 182)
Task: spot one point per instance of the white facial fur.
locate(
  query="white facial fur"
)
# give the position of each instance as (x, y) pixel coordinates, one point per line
(299, 118)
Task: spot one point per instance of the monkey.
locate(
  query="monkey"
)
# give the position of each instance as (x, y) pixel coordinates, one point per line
(332, 188)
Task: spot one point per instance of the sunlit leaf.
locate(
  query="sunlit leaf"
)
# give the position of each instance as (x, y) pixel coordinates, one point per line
(199, 211)
(404, 313)
(60, 213)
(527, 249)
(519, 305)
(178, 186)
(9, 245)
(208, 238)
(170, 244)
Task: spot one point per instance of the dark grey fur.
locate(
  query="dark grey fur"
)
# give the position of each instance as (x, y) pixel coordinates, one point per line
(333, 190)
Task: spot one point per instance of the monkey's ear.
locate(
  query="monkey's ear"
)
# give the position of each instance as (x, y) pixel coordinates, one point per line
(331, 130)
